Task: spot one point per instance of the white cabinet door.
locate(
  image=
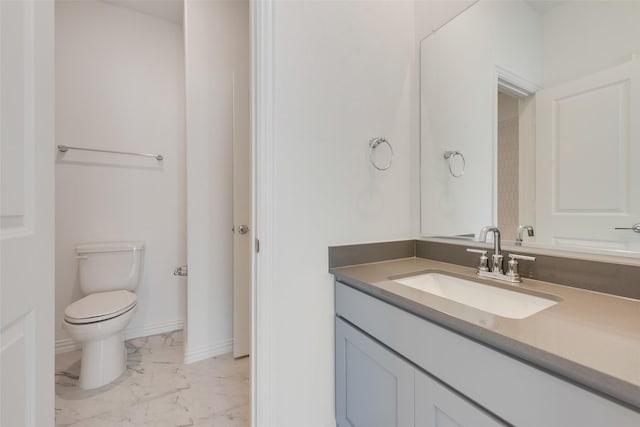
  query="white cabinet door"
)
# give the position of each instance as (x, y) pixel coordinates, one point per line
(26, 213)
(438, 406)
(587, 144)
(374, 387)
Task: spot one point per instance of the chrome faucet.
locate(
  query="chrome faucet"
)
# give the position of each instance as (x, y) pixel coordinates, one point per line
(496, 259)
(520, 233)
(496, 270)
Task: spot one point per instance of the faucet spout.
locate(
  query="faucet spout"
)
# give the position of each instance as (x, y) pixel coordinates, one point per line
(496, 259)
(520, 233)
(496, 237)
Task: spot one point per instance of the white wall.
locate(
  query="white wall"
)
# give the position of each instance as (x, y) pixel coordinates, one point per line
(343, 73)
(217, 45)
(120, 86)
(433, 14)
(581, 38)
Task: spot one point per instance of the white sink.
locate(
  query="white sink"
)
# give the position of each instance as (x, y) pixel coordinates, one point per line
(491, 299)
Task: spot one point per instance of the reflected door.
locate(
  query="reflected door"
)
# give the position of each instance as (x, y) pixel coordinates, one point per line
(587, 139)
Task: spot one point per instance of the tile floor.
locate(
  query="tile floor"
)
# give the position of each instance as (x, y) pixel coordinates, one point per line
(157, 389)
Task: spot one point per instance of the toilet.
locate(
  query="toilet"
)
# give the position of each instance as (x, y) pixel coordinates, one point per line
(108, 273)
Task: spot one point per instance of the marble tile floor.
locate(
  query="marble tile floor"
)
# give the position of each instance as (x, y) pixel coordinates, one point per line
(157, 389)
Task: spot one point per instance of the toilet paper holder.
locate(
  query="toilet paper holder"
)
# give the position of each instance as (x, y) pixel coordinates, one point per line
(183, 270)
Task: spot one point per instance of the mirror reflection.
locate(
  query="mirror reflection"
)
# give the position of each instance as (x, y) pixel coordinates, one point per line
(541, 101)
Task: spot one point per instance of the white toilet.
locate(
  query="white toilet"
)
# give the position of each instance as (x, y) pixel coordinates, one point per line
(109, 273)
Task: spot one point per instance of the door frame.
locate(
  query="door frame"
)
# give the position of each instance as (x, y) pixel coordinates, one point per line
(263, 210)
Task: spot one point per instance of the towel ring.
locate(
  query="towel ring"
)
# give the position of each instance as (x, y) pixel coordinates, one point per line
(449, 155)
(373, 144)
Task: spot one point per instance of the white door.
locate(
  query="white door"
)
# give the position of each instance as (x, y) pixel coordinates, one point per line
(588, 143)
(243, 229)
(217, 55)
(26, 213)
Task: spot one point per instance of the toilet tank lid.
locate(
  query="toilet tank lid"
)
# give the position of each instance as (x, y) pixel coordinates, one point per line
(96, 247)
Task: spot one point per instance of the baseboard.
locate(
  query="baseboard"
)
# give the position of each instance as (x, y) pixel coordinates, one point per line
(153, 329)
(67, 344)
(207, 351)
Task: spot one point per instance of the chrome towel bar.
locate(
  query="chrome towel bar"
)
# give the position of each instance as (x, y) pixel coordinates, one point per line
(65, 148)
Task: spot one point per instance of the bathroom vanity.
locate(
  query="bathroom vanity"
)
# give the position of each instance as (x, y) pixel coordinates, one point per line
(408, 357)
(562, 348)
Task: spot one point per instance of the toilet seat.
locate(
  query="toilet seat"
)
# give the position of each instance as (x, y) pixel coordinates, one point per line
(100, 306)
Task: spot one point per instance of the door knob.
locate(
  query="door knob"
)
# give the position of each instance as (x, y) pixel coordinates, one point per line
(635, 228)
(243, 229)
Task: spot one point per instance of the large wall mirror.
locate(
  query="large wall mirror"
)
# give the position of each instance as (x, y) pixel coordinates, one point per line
(530, 114)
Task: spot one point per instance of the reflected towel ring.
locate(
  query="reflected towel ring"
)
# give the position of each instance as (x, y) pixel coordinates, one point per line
(450, 155)
(373, 144)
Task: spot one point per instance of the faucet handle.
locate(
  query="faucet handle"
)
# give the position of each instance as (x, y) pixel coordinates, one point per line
(512, 266)
(484, 260)
(522, 257)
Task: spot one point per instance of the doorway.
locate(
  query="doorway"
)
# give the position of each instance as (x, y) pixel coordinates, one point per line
(508, 170)
(145, 83)
(25, 340)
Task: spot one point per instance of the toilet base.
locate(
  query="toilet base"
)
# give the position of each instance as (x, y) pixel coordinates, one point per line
(102, 361)
(104, 356)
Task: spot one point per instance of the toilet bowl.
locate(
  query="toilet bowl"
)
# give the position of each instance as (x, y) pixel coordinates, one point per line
(104, 356)
(108, 274)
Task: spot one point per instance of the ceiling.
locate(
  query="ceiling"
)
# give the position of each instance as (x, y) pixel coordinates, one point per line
(543, 6)
(170, 10)
(173, 10)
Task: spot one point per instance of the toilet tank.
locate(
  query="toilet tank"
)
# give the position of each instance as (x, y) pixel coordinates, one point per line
(109, 266)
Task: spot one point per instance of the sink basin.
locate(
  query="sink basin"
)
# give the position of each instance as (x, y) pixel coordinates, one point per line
(491, 299)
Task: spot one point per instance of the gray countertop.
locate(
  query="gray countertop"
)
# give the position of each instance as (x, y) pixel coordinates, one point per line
(589, 338)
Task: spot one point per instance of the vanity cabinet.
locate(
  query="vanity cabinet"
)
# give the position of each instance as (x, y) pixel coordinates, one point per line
(374, 387)
(439, 406)
(387, 362)
(377, 388)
